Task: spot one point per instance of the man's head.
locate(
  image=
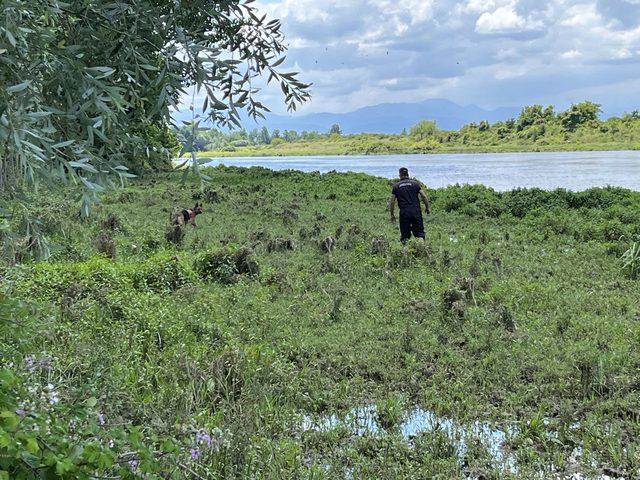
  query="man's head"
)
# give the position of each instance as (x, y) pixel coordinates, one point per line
(404, 172)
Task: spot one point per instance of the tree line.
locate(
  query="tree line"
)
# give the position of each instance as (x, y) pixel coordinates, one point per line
(536, 124)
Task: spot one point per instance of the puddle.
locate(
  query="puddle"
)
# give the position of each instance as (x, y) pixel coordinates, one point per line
(364, 421)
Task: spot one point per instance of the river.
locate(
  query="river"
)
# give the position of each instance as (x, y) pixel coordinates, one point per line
(502, 171)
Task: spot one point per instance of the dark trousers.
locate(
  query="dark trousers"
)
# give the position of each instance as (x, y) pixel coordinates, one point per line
(411, 222)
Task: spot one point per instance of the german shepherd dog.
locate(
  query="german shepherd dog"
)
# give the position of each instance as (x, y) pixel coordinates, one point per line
(187, 215)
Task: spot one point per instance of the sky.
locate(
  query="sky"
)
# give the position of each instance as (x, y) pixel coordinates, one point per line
(491, 53)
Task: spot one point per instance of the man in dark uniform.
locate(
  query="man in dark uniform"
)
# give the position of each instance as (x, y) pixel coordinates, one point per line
(408, 192)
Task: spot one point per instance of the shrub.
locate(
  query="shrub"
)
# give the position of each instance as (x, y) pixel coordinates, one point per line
(112, 222)
(224, 266)
(174, 234)
(105, 244)
(161, 275)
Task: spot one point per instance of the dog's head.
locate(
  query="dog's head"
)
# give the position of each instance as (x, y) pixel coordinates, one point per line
(198, 209)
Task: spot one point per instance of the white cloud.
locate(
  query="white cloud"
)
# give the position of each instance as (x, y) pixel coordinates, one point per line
(477, 6)
(501, 20)
(415, 11)
(583, 15)
(571, 54)
(621, 54)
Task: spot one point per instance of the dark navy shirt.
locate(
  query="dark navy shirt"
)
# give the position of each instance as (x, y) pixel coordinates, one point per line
(406, 192)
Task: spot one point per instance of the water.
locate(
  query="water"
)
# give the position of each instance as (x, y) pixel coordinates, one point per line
(364, 421)
(502, 171)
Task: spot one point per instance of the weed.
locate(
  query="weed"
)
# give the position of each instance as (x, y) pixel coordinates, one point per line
(631, 260)
(105, 244)
(174, 234)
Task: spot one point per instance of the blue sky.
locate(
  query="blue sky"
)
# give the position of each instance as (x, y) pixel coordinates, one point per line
(488, 52)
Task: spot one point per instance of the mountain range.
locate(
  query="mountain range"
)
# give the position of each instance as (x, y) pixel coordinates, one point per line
(382, 118)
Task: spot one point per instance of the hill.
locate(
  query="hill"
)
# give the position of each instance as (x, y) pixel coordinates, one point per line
(382, 118)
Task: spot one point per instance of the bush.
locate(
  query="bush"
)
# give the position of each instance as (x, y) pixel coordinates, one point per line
(224, 266)
(105, 244)
(161, 275)
(174, 234)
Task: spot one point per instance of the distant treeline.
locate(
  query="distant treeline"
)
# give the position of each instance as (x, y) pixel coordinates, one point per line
(536, 128)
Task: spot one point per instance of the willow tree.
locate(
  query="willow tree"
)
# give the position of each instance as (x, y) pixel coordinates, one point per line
(80, 81)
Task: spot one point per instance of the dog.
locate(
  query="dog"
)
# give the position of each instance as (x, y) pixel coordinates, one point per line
(187, 215)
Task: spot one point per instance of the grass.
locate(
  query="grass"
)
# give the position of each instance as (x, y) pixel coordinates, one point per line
(328, 147)
(517, 312)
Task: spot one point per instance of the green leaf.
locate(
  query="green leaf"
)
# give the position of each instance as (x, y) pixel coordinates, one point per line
(11, 38)
(63, 144)
(31, 445)
(9, 420)
(84, 166)
(279, 62)
(100, 72)
(64, 466)
(19, 87)
(91, 402)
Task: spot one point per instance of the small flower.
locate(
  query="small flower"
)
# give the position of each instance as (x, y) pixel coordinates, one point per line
(111, 443)
(133, 464)
(203, 437)
(195, 453)
(29, 362)
(101, 419)
(54, 398)
(73, 424)
(20, 411)
(44, 363)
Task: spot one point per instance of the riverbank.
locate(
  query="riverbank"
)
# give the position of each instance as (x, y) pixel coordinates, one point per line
(291, 335)
(393, 146)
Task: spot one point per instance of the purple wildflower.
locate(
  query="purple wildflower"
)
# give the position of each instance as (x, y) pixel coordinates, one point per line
(203, 437)
(101, 419)
(20, 411)
(29, 362)
(195, 453)
(133, 464)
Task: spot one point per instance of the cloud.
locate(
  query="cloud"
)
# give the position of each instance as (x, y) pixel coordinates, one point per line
(571, 54)
(501, 20)
(489, 52)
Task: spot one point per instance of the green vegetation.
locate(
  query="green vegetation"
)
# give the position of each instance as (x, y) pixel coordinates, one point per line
(536, 129)
(86, 88)
(294, 300)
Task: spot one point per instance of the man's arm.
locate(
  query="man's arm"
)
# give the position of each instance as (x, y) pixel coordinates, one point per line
(392, 207)
(425, 200)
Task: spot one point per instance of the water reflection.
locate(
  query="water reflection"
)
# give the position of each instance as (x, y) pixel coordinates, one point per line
(502, 171)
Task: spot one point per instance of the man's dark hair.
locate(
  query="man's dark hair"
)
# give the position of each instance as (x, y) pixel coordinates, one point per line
(404, 172)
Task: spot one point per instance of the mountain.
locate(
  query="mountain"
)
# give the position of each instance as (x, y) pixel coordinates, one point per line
(382, 118)
(390, 117)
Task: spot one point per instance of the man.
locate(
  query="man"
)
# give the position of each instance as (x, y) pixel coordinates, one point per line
(408, 192)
